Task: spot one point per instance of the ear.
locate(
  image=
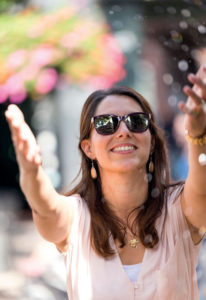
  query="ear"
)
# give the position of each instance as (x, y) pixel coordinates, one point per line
(87, 148)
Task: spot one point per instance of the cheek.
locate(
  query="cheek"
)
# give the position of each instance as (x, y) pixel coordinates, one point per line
(99, 144)
(144, 139)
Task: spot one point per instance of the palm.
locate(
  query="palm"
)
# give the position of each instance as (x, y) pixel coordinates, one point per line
(26, 148)
(195, 107)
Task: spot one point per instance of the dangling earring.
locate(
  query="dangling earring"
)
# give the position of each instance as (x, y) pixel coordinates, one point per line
(93, 171)
(151, 165)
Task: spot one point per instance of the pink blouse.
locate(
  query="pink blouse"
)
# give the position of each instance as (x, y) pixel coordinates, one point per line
(167, 272)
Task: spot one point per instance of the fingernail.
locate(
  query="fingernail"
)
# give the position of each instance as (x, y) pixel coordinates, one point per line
(192, 76)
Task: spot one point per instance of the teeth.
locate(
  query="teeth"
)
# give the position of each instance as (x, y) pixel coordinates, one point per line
(124, 148)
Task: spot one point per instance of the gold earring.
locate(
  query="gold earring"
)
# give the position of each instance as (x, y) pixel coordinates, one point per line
(151, 165)
(93, 171)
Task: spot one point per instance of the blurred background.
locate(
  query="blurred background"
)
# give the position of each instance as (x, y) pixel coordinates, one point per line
(53, 54)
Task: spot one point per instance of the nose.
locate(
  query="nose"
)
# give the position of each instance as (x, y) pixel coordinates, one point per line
(123, 131)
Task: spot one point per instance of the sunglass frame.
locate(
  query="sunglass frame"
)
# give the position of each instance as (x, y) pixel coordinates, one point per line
(121, 118)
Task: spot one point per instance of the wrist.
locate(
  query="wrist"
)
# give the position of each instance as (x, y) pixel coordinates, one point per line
(196, 140)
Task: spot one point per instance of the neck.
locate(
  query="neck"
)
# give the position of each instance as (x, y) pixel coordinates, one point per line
(124, 192)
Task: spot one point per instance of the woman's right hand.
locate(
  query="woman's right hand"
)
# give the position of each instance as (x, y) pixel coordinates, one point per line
(27, 150)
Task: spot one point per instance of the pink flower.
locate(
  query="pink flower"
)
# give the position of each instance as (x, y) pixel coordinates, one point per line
(46, 81)
(70, 40)
(18, 97)
(3, 93)
(16, 89)
(101, 82)
(29, 72)
(42, 56)
(16, 59)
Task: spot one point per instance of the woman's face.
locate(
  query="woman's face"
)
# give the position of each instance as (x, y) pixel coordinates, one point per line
(108, 150)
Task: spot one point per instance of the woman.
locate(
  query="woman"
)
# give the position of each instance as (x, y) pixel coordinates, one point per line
(126, 231)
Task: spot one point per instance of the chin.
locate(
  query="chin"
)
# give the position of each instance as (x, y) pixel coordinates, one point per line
(126, 167)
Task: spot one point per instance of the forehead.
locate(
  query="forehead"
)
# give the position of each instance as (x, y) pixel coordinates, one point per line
(118, 104)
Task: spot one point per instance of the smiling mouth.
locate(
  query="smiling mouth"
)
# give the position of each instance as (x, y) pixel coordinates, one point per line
(124, 149)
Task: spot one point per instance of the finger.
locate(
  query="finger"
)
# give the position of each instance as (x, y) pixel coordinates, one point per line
(38, 160)
(186, 110)
(192, 94)
(14, 111)
(182, 107)
(202, 71)
(197, 80)
(38, 149)
(26, 147)
(13, 123)
(14, 116)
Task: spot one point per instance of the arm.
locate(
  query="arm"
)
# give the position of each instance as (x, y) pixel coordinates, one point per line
(193, 198)
(52, 212)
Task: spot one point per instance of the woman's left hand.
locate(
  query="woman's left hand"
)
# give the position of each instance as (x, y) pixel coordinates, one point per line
(195, 106)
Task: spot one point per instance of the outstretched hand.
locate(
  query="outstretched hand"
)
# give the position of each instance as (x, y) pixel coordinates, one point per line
(26, 148)
(195, 106)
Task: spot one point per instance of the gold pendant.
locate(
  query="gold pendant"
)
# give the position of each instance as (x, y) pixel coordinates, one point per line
(133, 242)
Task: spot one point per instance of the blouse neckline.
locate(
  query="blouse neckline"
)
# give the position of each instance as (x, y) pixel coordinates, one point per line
(137, 283)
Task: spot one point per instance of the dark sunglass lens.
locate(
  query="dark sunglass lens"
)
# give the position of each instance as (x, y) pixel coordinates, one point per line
(138, 122)
(105, 124)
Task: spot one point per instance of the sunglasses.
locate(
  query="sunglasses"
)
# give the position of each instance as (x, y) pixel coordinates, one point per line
(107, 124)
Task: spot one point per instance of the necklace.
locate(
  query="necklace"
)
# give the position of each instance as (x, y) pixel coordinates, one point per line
(133, 242)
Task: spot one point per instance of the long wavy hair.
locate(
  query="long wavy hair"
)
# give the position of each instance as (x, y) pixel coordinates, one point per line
(104, 222)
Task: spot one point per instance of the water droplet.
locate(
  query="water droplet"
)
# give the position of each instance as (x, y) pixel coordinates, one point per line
(185, 47)
(127, 40)
(202, 159)
(201, 29)
(111, 12)
(176, 36)
(172, 100)
(167, 78)
(186, 13)
(183, 65)
(148, 177)
(148, 238)
(176, 87)
(183, 25)
(202, 230)
(116, 8)
(54, 176)
(117, 24)
(50, 160)
(171, 10)
(195, 53)
(155, 192)
(47, 140)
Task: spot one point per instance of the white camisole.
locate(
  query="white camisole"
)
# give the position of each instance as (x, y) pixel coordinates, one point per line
(132, 271)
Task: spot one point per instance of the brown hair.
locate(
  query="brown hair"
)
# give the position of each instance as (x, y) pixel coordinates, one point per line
(103, 220)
